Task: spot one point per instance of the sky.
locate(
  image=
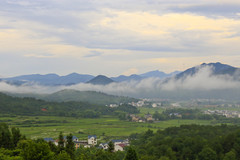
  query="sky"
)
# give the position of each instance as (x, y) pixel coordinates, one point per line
(116, 37)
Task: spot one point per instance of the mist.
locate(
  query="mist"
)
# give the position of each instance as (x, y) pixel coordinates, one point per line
(203, 84)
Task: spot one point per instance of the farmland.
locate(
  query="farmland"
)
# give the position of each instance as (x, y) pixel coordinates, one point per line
(105, 127)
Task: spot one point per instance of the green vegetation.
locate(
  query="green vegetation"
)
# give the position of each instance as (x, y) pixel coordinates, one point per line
(189, 142)
(50, 126)
(30, 106)
(195, 142)
(69, 95)
(39, 149)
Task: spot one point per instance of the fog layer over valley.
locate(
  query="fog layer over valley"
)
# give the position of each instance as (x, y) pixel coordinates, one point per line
(202, 84)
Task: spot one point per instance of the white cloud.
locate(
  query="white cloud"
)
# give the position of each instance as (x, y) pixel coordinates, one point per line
(125, 33)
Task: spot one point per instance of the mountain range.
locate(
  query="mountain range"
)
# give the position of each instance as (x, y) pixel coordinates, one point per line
(75, 78)
(217, 69)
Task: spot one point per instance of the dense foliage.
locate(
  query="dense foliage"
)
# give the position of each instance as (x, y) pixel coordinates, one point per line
(30, 106)
(192, 142)
(187, 142)
(26, 149)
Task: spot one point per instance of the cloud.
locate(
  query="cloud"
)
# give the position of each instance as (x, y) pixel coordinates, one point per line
(130, 71)
(94, 54)
(212, 10)
(81, 33)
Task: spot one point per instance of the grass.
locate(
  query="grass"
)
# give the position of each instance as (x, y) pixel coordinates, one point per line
(110, 127)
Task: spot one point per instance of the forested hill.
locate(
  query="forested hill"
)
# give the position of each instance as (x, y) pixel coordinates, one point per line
(190, 142)
(30, 106)
(68, 95)
(92, 97)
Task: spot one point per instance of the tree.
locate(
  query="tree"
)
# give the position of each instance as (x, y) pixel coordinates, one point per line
(16, 136)
(60, 142)
(53, 147)
(207, 154)
(31, 150)
(63, 156)
(70, 146)
(5, 136)
(131, 154)
(110, 146)
(231, 155)
(164, 158)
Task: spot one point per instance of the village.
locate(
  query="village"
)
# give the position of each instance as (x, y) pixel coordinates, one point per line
(92, 141)
(226, 113)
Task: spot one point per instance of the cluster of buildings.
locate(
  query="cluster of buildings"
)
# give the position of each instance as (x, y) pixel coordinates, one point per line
(140, 103)
(91, 141)
(146, 118)
(119, 145)
(226, 113)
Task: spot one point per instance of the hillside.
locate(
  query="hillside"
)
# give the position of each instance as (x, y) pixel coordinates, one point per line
(32, 107)
(86, 96)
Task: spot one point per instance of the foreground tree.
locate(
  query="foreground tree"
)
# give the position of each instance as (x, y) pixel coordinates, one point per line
(5, 136)
(31, 150)
(110, 146)
(70, 146)
(63, 156)
(131, 154)
(207, 154)
(60, 142)
(16, 136)
(231, 155)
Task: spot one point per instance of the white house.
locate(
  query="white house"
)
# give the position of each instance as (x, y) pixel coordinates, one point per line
(119, 147)
(92, 140)
(120, 144)
(104, 146)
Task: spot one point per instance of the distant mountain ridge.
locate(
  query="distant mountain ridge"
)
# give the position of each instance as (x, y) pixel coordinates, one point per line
(51, 79)
(100, 80)
(158, 74)
(217, 68)
(75, 78)
(127, 78)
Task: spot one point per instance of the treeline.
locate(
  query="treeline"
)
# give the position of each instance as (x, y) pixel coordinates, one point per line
(189, 142)
(14, 146)
(33, 107)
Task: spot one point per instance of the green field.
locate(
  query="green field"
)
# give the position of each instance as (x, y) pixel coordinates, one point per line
(46, 126)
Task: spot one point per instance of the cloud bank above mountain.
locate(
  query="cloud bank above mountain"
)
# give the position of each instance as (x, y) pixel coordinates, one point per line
(203, 84)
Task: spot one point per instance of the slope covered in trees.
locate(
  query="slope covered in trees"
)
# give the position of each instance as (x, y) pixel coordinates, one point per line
(30, 106)
(191, 142)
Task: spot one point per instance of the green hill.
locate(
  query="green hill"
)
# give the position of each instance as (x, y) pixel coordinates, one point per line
(87, 96)
(32, 107)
